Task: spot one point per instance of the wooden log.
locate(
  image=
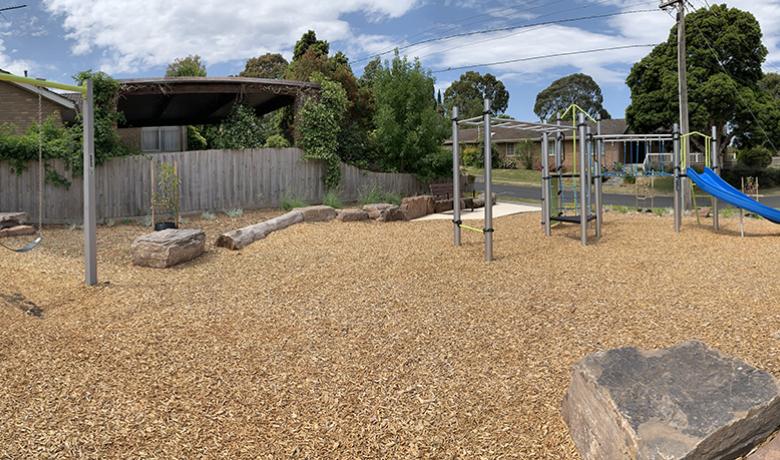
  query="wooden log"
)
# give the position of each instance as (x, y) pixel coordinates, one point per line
(238, 239)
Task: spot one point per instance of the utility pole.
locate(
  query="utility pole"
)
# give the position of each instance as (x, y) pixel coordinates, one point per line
(682, 80)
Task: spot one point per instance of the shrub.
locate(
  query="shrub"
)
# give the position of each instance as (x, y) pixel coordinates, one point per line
(195, 139)
(470, 156)
(242, 129)
(374, 194)
(165, 198)
(754, 157)
(290, 202)
(525, 154)
(767, 177)
(234, 213)
(629, 179)
(435, 166)
(276, 141)
(332, 199)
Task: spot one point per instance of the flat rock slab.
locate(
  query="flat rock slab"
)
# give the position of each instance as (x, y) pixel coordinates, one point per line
(12, 219)
(684, 402)
(440, 206)
(17, 230)
(415, 207)
(391, 214)
(351, 215)
(320, 213)
(768, 451)
(374, 210)
(167, 248)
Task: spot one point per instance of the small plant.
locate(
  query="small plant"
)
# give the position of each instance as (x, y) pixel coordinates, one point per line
(165, 199)
(373, 194)
(291, 202)
(629, 179)
(660, 212)
(208, 216)
(276, 141)
(470, 156)
(525, 154)
(332, 199)
(234, 213)
(621, 209)
(728, 212)
(617, 167)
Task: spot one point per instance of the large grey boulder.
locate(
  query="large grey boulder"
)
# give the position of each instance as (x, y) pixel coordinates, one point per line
(319, 213)
(351, 215)
(685, 402)
(374, 210)
(167, 248)
(12, 219)
(417, 206)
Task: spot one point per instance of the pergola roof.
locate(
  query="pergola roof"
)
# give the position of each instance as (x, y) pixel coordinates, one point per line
(202, 100)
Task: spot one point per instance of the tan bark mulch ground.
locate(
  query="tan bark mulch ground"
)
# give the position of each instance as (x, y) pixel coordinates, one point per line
(358, 340)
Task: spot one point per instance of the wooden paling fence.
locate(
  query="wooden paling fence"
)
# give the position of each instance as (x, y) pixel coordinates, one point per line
(211, 180)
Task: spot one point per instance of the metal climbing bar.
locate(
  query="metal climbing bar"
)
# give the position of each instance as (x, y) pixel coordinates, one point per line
(471, 229)
(42, 83)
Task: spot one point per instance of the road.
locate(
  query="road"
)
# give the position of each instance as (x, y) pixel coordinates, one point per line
(528, 192)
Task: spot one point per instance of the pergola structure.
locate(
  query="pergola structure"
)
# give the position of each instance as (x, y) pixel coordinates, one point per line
(173, 101)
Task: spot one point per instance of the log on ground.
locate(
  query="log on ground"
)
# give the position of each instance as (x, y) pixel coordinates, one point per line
(243, 237)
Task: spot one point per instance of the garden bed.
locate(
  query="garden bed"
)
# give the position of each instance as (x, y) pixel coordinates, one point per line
(358, 339)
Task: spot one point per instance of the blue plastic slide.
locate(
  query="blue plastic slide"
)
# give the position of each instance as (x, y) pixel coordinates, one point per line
(712, 184)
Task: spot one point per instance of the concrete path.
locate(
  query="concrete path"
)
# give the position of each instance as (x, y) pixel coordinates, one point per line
(499, 210)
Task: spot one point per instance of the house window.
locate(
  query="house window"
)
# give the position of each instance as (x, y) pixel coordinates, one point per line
(161, 139)
(510, 149)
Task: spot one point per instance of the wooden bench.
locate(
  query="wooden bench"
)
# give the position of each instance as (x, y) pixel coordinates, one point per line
(444, 191)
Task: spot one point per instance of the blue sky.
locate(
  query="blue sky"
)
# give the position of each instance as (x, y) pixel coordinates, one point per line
(57, 38)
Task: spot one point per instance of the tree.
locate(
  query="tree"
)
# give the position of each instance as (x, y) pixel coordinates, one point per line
(577, 89)
(190, 66)
(409, 133)
(309, 41)
(319, 123)
(269, 65)
(770, 83)
(242, 129)
(725, 54)
(471, 89)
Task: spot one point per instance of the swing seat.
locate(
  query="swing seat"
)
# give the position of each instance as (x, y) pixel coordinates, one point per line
(571, 219)
(27, 247)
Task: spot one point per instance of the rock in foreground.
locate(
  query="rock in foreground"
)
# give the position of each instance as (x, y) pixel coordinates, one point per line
(319, 213)
(167, 248)
(414, 207)
(684, 402)
(352, 215)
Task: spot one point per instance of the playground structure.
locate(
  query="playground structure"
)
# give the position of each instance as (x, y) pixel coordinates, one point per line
(88, 122)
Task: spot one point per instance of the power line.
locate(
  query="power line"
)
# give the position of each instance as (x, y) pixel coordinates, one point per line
(15, 7)
(530, 28)
(545, 56)
(504, 29)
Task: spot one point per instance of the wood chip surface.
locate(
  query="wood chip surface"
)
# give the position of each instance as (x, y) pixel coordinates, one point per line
(358, 340)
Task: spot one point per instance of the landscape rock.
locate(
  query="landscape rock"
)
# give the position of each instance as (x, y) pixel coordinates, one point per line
(319, 213)
(768, 451)
(442, 206)
(391, 214)
(479, 201)
(685, 402)
(352, 215)
(12, 219)
(167, 248)
(374, 210)
(417, 206)
(17, 230)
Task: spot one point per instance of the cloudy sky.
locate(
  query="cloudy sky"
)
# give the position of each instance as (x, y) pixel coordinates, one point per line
(57, 38)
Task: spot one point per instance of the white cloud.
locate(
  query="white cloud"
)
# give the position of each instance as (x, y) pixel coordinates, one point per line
(133, 35)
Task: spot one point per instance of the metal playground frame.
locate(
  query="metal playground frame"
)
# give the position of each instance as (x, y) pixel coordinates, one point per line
(88, 121)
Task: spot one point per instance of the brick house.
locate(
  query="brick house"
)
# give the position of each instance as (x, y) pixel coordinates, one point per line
(19, 106)
(511, 143)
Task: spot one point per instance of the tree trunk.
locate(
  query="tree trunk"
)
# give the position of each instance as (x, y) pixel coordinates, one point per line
(238, 239)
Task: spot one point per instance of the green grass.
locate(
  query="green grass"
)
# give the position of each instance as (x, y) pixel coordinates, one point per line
(291, 202)
(332, 199)
(511, 176)
(374, 194)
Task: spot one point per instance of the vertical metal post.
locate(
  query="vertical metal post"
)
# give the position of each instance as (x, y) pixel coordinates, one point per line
(455, 178)
(682, 83)
(488, 230)
(583, 181)
(677, 179)
(559, 164)
(716, 169)
(597, 178)
(546, 203)
(90, 225)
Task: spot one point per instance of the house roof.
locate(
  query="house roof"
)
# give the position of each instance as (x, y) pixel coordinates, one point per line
(69, 114)
(202, 100)
(510, 135)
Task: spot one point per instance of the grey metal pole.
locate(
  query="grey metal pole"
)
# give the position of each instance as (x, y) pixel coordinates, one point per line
(677, 179)
(559, 164)
(583, 181)
(546, 184)
(455, 178)
(597, 179)
(488, 230)
(90, 226)
(716, 168)
(682, 83)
